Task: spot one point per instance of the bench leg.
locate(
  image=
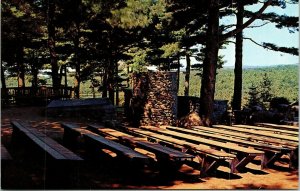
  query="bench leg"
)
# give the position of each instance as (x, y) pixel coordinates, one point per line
(209, 166)
(241, 161)
(269, 158)
(293, 155)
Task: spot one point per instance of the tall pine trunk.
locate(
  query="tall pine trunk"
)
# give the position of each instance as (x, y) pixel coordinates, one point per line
(238, 69)
(77, 64)
(51, 45)
(178, 72)
(210, 63)
(187, 73)
(3, 83)
(21, 67)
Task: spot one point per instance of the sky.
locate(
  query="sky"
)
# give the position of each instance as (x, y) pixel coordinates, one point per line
(254, 55)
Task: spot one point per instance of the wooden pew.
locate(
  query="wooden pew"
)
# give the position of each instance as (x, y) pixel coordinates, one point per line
(161, 152)
(285, 127)
(254, 132)
(210, 158)
(272, 152)
(72, 131)
(274, 130)
(243, 155)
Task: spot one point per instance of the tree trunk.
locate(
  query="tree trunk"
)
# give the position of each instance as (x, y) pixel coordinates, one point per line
(3, 83)
(21, 67)
(104, 82)
(210, 63)
(77, 64)
(187, 73)
(51, 44)
(238, 71)
(178, 73)
(111, 93)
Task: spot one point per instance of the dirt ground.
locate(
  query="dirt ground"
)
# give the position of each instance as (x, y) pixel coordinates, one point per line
(25, 171)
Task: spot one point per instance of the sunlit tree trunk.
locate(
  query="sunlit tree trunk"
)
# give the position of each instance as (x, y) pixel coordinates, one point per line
(187, 73)
(238, 69)
(210, 63)
(77, 64)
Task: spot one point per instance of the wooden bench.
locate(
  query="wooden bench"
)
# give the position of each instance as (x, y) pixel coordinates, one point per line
(210, 158)
(161, 152)
(62, 165)
(285, 127)
(274, 130)
(291, 149)
(254, 132)
(243, 155)
(272, 152)
(99, 141)
(45, 143)
(5, 154)
(241, 135)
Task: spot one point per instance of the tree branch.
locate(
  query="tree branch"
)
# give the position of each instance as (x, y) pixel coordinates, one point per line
(256, 26)
(247, 23)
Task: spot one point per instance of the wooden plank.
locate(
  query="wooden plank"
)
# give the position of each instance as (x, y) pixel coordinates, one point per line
(5, 154)
(274, 130)
(285, 144)
(282, 137)
(286, 127)
(259, 146)
(204, 141)
(116, 147)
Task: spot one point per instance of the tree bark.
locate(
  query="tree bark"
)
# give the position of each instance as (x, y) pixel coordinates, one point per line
(77, 64)
(178, 73)
(21, 67)
(3, 82)
(187, 73)
(210, 63)
(238, 69)
(51, 45)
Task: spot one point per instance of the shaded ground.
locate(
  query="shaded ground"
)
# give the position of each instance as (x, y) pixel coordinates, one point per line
(25, 171)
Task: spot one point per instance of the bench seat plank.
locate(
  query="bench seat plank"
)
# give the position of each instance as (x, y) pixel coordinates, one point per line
(272, 135)
(224, 132)
(286, 127)
(274, 130)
